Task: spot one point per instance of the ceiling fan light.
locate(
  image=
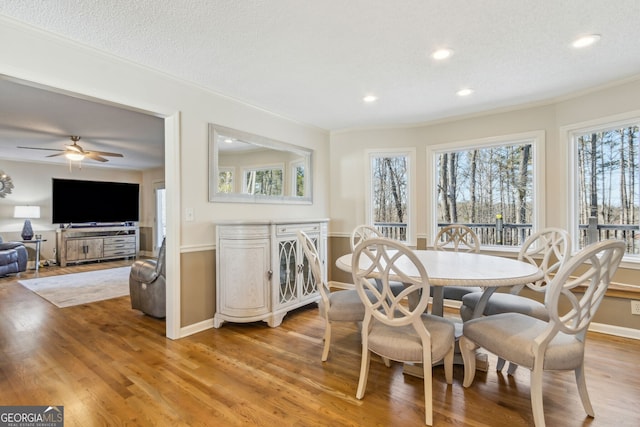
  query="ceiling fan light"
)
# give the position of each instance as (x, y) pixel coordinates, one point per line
(76, 157)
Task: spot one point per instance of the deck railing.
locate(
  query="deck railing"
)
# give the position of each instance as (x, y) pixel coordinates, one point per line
(515, 234)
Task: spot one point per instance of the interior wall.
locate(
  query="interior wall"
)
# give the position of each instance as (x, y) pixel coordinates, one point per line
(49, 60)
(348, 164)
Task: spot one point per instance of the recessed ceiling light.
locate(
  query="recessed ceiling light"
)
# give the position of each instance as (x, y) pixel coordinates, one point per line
(464, 92)
(586, 40)
(370, 98)
(228, 140)
(442, 54)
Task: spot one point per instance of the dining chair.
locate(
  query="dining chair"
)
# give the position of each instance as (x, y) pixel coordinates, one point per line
(552, 246)
(392, 328)
(364, 232)
(458, 238)
(572, 299)
(337, 306)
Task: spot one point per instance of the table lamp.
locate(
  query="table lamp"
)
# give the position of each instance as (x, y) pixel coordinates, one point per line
(27, 212)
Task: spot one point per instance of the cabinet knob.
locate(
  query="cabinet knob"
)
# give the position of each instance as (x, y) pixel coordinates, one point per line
(270, 274)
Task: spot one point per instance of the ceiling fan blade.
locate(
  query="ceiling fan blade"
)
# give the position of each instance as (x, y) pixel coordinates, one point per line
(36, 148)
(56, 155)
(75, 147)
(106, 153)
(93, 156)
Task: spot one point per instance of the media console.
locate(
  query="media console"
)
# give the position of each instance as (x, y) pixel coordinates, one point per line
(80, 244)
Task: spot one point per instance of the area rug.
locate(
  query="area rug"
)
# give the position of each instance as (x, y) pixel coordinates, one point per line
(81, 288)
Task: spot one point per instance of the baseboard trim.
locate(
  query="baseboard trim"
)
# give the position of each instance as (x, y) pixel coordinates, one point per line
(196, 327)
(618, 331)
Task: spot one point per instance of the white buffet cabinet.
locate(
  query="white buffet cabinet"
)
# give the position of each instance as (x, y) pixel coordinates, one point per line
(261, 270)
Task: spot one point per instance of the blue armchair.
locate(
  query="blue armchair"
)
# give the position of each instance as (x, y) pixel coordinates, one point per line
(13, 257)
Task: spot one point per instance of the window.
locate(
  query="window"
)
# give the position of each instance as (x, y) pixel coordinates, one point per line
(225, 180)
(491, 185)
(390, 204)
(297, 178)
(265, 181)
(606, 184)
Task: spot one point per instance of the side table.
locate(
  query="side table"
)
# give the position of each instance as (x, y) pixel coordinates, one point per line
(36, 242)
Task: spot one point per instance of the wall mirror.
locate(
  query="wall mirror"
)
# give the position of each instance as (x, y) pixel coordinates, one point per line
(244, 167)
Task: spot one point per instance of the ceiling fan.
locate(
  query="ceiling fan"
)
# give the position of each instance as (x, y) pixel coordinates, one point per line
(75, 152)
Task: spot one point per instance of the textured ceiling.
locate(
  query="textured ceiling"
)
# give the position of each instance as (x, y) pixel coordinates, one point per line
(313, 61)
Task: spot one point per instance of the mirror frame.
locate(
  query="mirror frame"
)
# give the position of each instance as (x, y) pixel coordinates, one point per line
(260, 141)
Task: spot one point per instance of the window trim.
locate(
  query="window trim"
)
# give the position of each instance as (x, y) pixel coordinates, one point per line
(567, 137)
(410, 153)
(537, 140)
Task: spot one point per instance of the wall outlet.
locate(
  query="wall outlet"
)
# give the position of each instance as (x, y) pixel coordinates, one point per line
(635, 307)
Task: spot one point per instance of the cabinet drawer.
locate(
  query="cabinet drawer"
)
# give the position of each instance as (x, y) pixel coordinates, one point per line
(119, 240)
(126, 245)
(119, 251)
(292, 229)
(242, 232)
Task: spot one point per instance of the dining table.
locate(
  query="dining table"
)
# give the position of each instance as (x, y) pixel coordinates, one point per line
(449, 268)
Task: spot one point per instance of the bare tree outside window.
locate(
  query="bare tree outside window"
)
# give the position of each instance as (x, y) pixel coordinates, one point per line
(608, 186)
(266, 182)
(225, 181)
(477, 186)
(389, 180)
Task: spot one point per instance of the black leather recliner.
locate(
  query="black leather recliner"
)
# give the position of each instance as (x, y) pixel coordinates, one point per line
(147, 285)
(13, 257)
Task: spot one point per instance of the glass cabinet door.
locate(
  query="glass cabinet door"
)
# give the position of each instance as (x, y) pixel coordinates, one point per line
(287, 254)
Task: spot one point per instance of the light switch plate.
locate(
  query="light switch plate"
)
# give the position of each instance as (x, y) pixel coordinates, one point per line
(188, 214)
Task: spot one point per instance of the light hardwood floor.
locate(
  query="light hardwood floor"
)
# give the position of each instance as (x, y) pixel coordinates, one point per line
(111, 365)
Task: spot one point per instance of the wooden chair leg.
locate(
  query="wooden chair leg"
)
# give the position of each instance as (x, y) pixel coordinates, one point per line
(364, 372)
(327, 341)
(427, 372)
(468, 351)
(511, 370)
(582, 390)
(536, 395)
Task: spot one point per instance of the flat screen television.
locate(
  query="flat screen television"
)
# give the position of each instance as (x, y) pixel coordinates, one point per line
(94, 202)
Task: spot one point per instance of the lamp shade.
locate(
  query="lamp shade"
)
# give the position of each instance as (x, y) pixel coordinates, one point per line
(26, 212)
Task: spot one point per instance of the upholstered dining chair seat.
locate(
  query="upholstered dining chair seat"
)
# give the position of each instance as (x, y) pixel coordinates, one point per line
(501, 302)
(344, 306)
(512, 336)
(404, 343)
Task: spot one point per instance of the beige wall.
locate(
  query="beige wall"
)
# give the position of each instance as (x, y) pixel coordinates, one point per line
(348, 166)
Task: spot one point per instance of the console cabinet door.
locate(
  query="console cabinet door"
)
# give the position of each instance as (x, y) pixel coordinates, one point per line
(81, 249)
(93, 248)
(244, 288)
(308, 286)
(295, 282)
